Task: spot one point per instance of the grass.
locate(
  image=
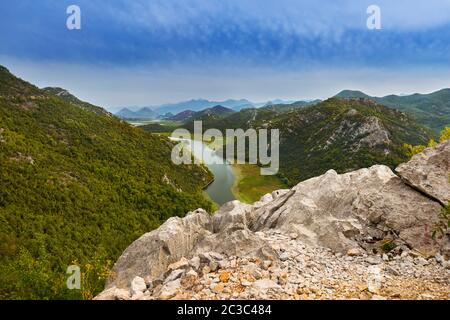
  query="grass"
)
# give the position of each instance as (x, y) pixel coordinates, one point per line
(250, 185)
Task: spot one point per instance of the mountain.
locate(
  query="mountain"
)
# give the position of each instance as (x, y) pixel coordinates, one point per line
(166, 116)
(145, 113)
(201, 104)
(340, 134)
(67, 96)
(431, 110)
(286, 107)
(330, 237)
(351, 94)
(77, 186)
(209, 117)
(183, 116)
(125, 113)
(214, 113)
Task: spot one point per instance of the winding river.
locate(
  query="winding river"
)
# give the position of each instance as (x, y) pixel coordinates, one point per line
(220, 190)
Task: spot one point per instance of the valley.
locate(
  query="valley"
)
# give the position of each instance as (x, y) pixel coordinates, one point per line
(79, 184)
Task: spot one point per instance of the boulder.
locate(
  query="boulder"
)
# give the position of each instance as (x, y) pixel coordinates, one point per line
(231, 215)
(152, 253)
(342, 212)
(429, 172)
(114, 293)
(337, 211)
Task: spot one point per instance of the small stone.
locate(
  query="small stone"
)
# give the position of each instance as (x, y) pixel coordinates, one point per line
(256, 274)
(392, 271)
(206, 270)
(385, 257)
(213, 266)
(195, 263)
(224, 276)
(246, 283)
(176, 274)
(183, 263)
(217, 288)
(420, 261)
(374, 260)
(216, 256)
(266, 264)
(138, 285)
(377, 297)
(354, 252)
(265, 284)
(427, 296)
(405, 254)
(170, 290)
(284, 256)
(191, 273)
(148, 281)
(157, 282)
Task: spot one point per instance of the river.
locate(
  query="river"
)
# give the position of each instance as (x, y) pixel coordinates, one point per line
(220, 190)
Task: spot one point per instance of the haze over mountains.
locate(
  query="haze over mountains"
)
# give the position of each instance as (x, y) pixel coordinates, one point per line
(431, 110)
(192, 105)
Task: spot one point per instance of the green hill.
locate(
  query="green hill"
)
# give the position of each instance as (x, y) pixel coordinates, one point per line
(343, 135)
(77, 185)
(340, 134)
(431, 110)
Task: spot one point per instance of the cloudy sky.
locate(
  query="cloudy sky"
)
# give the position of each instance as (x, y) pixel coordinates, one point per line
(147, 52)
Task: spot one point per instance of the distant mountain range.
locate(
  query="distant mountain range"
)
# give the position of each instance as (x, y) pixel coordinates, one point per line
(431, 110)
(194, 105)
(214, 113)
(144, 113)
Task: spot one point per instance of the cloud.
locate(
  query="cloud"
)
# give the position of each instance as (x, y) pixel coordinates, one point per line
(283, 33)
(166, 50)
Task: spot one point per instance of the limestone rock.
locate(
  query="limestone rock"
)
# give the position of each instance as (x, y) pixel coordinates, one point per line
(170, 290)
(336, 211)
(114, 293)
(299, 243)
(429, 172)
(265, 284)
(154, 251)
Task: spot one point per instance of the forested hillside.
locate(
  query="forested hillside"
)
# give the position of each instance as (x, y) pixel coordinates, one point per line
(431, 110)
(77, 186)
(341, 134)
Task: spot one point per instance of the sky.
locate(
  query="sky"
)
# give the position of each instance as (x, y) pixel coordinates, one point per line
(149, 52)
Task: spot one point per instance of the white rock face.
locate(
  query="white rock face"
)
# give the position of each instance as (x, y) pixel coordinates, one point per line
(429, 172)
(335, 210)
(138, 286)
(153, 252)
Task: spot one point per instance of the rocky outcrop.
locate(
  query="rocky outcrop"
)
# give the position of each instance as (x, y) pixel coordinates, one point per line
(360, 220)
(353, 209)
(429, 172)
(151, 254)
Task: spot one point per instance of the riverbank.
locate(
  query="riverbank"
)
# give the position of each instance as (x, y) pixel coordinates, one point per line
(249, 185)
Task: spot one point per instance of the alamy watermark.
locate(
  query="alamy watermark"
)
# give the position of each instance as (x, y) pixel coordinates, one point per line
(374, 19)
(73, 22)
(74, 280)
(260, 149)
